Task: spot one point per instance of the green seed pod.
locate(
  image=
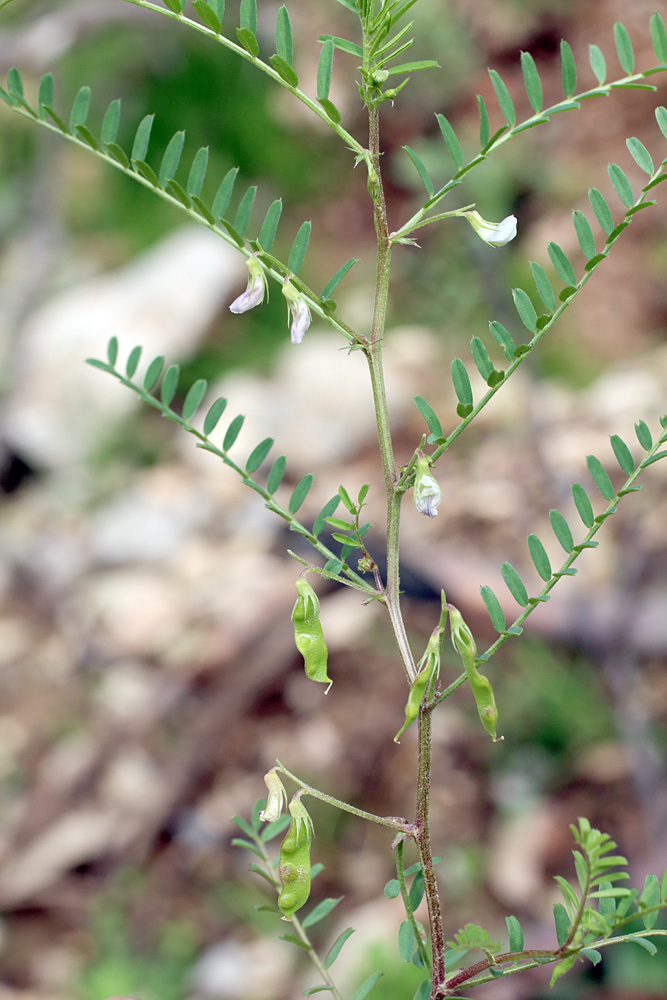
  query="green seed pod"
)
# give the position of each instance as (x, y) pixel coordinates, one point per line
(464, 644)
(294, 861)
(308, 634)
(428, 666)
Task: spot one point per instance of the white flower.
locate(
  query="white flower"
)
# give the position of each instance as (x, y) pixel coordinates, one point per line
(254, 293)
(427, 491)
(276, 799)
(496, 234)
(298, 312)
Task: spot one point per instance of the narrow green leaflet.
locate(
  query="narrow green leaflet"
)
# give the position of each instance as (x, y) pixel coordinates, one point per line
(601, 209)
(561, 264)
(284, 70)
(598, 63)
(110, 122)
(208, 16)
(583, 504)
(461, 381)
(483, 121)
(248, 15)
(480, 356)
(562, 922)
(284, 45)
(514, 583)
(213, 416)
(299, 247)
(451, 141)
(644, 435)
(224, 193)
(232, 432)
(192, 401)
(171, 158)
(515, 934)
(142, 138)
(276, 474)
(258, 454)
(112, 351)
(503, 97)
(335, 949)
(532, 81)
(600, 477)
(659, 37)
(493, 607)
(321, 911)
(561, 530)
(344, 45)
(270, 225)
(621, 184)
(623, 454)
(242, 217)
(324, 516)
(543, 285)
(429, 416)
(324, 69)
(626, 56)
(300, 493)
(338, 277)
(584, 234)
(568, 68)
(133, 361)
(525, 309)
(80, 109)
(640, 155)
(502, 337)
(367, 984)
(153, 373)
(406, 941)
(197, 172)
(542, 565)
(421, 170)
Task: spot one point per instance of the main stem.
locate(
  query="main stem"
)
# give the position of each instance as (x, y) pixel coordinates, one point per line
(392, 591)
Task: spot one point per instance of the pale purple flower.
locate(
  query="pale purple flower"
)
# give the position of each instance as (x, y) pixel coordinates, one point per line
(254, 293)
(298, 312)
(427, 491)
(496, 234)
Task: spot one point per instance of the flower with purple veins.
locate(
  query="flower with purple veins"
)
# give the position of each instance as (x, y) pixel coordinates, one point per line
(298, 312)
(254, 293)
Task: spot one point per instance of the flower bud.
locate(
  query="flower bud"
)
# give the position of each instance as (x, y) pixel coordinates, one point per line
(298, 312)
(276, 799)
(254, 293)
(427, 491)
(496, 234)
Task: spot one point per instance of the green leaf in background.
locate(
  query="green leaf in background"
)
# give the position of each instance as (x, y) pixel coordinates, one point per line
(644, 435)
(503, 97)
(367, 984)
(334, 950)
(480, 356)
(284, 70)
(515, 934)
(543, 285)
(502, 337)
(170, 384)
(461, 381)
(276, 474)
(321, 911)
(258, 454)
(525, 309)
(623, 454)
(46, 93)
(331, 110)
(322, 518)
(110, 123)
(175, 6)
(661, 118)
(248, 41)
(208, 16)
(406, 941)
(562, 922)
(153, 373)
(583, 504)
(532, 81)
(640, 155)
(568, 69)
(171, 158)
(299, 247)
(224, 193)
(338, 276)
(515, 584)
(132, 361)
(112, 351)
(284, 44)
(344, 45)
(626, 56)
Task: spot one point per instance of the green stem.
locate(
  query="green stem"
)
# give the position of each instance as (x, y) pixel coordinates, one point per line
(393, 822)
(315, 958)
(423, 838)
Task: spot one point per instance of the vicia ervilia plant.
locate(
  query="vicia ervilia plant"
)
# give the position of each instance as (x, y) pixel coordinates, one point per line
(596, 910)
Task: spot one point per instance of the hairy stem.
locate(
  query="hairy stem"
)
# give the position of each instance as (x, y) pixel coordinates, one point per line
(423, 837)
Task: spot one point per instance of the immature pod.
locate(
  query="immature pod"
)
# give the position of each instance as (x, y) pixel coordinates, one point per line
(294, 860)
(464, 644)
(308, 634)
(428, 665)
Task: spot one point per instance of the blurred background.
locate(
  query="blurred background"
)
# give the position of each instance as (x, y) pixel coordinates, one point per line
(149, 676)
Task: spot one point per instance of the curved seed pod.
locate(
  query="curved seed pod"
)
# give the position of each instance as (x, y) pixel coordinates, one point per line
(464, 644)
(294, 861)
(308, 634)
(429, 665)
